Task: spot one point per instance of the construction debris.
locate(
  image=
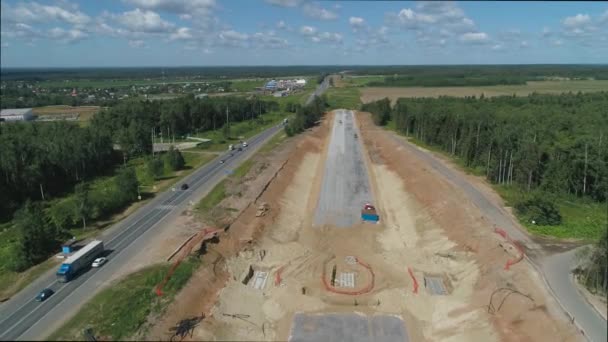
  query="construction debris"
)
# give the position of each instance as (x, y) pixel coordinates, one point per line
(185, 327)
(262, 209)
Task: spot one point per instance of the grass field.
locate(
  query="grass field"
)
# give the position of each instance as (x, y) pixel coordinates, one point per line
(581, 219)
(86, 112)
(119, 311)
(545, 87)
(348, 98)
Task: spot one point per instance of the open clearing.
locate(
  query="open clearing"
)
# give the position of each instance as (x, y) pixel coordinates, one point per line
(85, 112)
(433, 269)
(370, 94)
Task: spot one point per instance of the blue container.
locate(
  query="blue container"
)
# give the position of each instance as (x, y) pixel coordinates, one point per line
(370, 217)
(67, 249)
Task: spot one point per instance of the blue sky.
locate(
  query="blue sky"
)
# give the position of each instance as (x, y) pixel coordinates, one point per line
(68, 33)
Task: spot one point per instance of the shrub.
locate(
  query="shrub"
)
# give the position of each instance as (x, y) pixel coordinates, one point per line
(540, 210)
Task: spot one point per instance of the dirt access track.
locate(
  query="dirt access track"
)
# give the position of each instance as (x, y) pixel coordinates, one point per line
(433, 269)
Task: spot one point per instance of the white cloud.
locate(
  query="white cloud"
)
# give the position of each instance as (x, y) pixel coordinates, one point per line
(557, 42)
(356, 23)
(175, 6)
(474, 37)
(498, 47)
(330, 37)
(308, 30)
(268, 40)
(33, 12)
(233, 35)
(66, 36)
(433, 16)
(281, 25)
(285, 3)
(315, 11)
(4, 44)
(576, 21)
(524, 44)
(138, 43)
(182, 33)
(145, 21)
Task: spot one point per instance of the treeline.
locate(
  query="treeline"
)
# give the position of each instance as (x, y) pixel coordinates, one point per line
(182, 73)
(552, 143)
(572, 71)
(460, 80)
(307, 116)
(41, 227)
(41, 160)
(131, 124)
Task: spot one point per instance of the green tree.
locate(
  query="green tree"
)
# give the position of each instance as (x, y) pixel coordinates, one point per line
(126, 184)
(154, 168)
(226, 131)
(35, 238)
(82, 204)
(174, 160)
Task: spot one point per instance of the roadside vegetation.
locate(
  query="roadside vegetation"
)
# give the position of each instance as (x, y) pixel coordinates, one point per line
(545, 154)
(346, 97)
(121, 310)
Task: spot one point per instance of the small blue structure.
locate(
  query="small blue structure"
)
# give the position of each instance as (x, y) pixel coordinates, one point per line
(272, 85)
(369, 214)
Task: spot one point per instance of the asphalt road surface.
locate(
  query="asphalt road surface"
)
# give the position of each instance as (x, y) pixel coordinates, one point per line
(319, 91)
(349, 327)
(345, 188)
(555, 269)
(23, 318)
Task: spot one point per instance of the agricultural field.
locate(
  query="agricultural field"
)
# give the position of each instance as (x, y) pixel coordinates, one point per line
(370, 94)
(85, 112)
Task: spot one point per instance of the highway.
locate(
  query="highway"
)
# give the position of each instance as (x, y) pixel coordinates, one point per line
(22, 318)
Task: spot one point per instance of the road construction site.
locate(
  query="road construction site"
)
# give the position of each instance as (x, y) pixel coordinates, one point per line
(299, 264)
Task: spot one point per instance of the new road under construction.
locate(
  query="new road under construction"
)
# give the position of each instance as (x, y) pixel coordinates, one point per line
(356, 238)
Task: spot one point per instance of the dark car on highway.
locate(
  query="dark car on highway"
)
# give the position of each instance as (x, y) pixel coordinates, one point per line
(44, 294)
(184, 186)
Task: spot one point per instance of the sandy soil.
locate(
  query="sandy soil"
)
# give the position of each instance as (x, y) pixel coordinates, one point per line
(426, 226)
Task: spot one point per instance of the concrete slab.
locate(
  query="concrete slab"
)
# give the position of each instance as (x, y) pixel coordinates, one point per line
(345, 187)
(435, 285)
(348, 327)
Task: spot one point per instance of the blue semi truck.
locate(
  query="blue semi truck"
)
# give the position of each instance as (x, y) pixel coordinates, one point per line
(369, 214)
(79, 261)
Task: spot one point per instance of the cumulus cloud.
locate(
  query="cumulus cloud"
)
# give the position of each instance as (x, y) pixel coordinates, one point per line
(524, 44)
(268, 40)
(281, 25)
(285, 3)
(34, 12)
(144, 21)
(307, 30)
(329, 37)
(66, 36)
(182, 33)
(356, 22)
(578, 20)
(474, 37)
(174, 6)
(315, 11)
(604, 17)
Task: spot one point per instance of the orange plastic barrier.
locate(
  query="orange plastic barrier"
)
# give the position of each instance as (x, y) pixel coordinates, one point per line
(504, 234)
(409, 269)
(366, 289)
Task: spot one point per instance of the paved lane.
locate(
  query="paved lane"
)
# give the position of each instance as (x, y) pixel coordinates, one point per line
(345, 188)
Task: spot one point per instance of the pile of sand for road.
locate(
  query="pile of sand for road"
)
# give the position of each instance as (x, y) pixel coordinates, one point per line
(411, 239)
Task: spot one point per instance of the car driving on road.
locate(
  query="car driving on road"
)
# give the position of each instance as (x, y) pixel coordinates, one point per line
(44, 294)
(99, 262)
(184, 186)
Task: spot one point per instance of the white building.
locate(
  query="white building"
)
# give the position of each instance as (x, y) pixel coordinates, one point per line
(20, 114)
(301, 82)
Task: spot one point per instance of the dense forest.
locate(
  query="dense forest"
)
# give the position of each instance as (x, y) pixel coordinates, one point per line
(554, 143)
(460, 80)
(41, 161)
(46, 159)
